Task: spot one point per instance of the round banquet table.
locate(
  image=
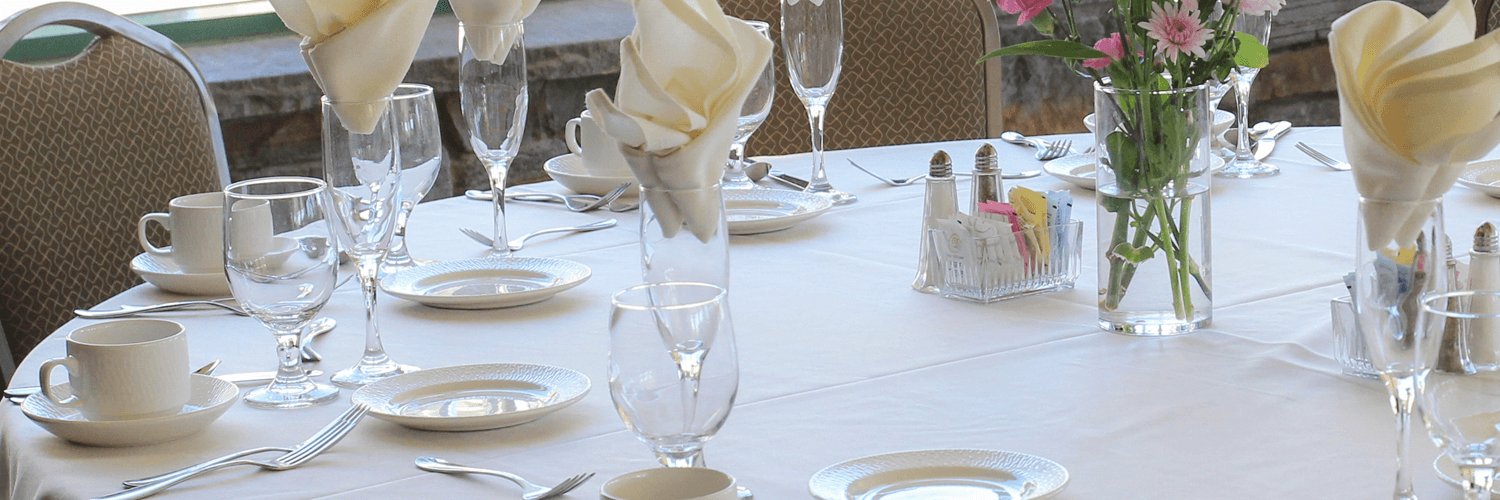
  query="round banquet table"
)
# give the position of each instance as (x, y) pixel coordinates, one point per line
(841, 359)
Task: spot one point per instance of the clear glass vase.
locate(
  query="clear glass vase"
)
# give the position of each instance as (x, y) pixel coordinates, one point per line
(684, 236)
(1153, 231)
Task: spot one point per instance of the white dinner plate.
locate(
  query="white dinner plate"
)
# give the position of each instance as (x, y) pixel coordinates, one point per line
(473, 397)
(486, 283)
(211, 397)
(755, 211)
(568, 170)
(166, 275)
(1482, 176)
(1079, 169)
(941, 474)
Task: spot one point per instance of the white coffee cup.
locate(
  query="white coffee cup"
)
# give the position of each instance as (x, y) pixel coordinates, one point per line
(684, 483)
(196, 222)
(124, 370)
(600, 152)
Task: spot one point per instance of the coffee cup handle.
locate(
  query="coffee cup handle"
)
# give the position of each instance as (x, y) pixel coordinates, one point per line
(46, 378)
(163, 219)
(570, 133)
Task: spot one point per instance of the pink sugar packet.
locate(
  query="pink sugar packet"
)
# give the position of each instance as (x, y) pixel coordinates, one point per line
(1009, 212)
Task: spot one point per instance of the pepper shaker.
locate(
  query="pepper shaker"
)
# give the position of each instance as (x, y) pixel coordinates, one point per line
(941, 203)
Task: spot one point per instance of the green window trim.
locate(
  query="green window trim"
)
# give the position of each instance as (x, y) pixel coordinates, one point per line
(184, 26)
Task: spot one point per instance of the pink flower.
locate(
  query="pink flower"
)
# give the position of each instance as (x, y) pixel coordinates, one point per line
(1027, 8)
(1112, 47)
(1177, 31)
(1261, 7)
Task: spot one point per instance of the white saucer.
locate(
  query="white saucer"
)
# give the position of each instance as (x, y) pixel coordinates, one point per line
(211, 398)
(568, 170)
(754, 211)
(486, 283)
(165, 274)
(473, 397)
(1482, 176)
(939, 474)
(1079, 169)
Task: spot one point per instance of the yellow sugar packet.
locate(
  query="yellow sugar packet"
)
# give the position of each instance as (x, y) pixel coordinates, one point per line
(1031, 206)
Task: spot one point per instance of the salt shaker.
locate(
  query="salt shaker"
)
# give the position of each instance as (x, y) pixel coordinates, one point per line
(941, 203)
(987, 184)
(1484, 274)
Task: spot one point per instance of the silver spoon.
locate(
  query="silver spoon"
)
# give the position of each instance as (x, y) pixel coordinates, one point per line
(312, 331)
(516, 244)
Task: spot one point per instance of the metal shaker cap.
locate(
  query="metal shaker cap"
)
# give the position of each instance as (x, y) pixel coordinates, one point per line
(1485, 239)
(941, 165)
(986, 159)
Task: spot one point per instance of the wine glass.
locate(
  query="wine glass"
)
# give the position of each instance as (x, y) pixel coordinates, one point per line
(1245, 166)
(1461, 407)
(757, 107)
(363, 172)
(492, 85)
(1391, 275)
(673, 371)
(417, 133)
(283, 288)
(812, 35)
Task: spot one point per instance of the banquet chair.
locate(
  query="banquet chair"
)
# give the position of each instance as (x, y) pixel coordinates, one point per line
(87, 146)
(908, 76)
(1486, 15)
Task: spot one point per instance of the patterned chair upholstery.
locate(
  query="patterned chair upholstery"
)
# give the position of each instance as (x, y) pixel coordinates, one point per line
(88, 146)
(908, 76)
(1487, 16)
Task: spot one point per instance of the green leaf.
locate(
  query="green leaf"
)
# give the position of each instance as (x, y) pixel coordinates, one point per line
(1132, 254)
(1056, 48)
(1251, 54)
(1044, 23)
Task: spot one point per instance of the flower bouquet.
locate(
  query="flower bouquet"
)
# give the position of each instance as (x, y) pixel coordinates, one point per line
(1153, 124)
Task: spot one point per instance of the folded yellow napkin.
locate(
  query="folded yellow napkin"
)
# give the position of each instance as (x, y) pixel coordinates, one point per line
(357, 50)
(481, 20)
(1418, 100)
(684, 73)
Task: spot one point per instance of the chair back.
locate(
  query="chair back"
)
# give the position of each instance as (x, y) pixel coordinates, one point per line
(1486, 16)
(908, 76)
(87, 146)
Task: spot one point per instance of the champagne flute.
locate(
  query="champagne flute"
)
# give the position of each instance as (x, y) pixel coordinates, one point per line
(419, 137)
(492, 84)
(1244, 165)
(282, 289)
(1461, 407)
(673, 370)
(812, 36)
(363, 172)
(757, 107)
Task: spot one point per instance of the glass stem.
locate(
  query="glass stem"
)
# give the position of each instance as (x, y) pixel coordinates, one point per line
(1403, 400)
(398, 253)
(681, 458)
(1242, 151)
(736, 174)
(819, 180)
(368, 269)
(501, 245)
(287, 348)
(1477, 482)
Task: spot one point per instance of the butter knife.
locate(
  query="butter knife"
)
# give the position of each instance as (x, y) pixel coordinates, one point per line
(1267, 142)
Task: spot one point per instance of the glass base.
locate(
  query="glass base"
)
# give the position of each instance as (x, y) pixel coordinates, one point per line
(364, 374)
(740, 184)
(838, 197)
(1251, 169)
(389, 266)
(291, 396)
(743, 493)
(1163, 325)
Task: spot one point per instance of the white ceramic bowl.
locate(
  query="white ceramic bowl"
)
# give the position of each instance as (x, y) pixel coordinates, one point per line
(568, 170)
(670, 484)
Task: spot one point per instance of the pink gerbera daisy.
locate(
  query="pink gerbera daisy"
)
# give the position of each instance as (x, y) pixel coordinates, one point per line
(1261, 7)
(1177, 31)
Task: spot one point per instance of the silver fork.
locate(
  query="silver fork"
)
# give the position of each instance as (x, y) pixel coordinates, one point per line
(1326, 160)
(888, 180)
(529, 491)
(304, 452)
(574, 202)
(169, 306)
(516, 244)
(1055, 150)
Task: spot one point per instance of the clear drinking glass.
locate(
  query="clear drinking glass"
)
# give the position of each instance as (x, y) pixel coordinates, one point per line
(812, 36)
(1393, 271)
(363, 172)
(673, 371)
(417, 132)
(282, 285)
(1245, 166)
(492, 84)
(757, 107)
(1461, 408)
(671, 251)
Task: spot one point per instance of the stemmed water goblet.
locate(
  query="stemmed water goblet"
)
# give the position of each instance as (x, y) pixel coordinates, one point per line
(283, 289)
(1461, 407)
(414, 112)
(673, 369)
(812, 37)
(363, 172)
(1244, 165)
(757, 107)
(493, 90)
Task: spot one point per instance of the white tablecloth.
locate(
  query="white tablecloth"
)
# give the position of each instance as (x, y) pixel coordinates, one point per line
(840, 358)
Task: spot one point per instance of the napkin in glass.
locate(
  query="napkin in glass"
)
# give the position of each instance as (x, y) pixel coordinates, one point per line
(1417, 102)
(357, 50)
(482, 20)
(684, 74)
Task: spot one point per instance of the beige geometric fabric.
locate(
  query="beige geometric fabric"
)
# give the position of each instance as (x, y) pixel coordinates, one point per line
(87, 147)
(1490, 18)
(908, 76)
